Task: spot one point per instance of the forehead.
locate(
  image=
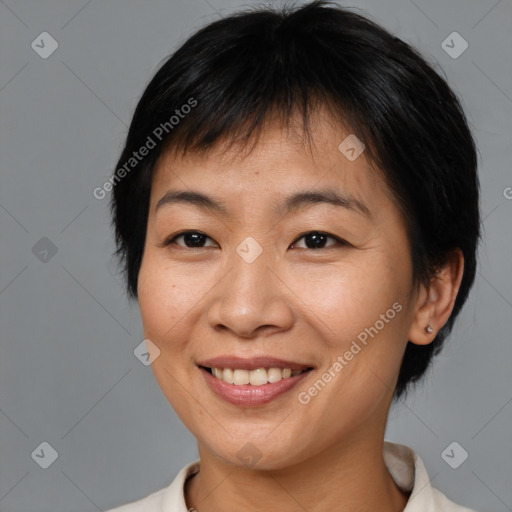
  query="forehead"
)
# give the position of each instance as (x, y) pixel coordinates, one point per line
(280, 160)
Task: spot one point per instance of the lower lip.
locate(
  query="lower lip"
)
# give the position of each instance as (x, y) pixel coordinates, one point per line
(248, 394)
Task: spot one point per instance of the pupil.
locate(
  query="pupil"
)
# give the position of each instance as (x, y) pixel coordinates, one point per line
(317, 239)
(194, 239)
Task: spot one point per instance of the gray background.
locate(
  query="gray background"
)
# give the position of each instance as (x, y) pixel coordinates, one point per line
(68, 375)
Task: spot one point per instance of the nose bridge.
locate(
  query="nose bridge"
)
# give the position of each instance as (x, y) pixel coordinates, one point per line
(251, 296)
(250, 286)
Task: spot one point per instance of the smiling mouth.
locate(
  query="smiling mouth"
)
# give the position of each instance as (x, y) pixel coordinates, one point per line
(256, 377)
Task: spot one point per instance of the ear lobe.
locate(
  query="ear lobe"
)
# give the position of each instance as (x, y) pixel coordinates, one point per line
(435, 301)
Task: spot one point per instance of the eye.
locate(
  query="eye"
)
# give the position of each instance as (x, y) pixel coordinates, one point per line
(190, 239)
(311, 240)
(318, 240)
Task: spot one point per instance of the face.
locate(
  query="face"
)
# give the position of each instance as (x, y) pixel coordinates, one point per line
(271, 265)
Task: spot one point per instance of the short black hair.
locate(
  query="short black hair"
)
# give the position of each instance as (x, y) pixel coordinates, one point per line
(226, 80)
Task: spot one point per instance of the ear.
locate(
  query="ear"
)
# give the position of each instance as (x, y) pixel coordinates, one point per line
(434, 303)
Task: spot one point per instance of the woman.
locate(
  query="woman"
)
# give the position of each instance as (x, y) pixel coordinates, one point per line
(296, 209)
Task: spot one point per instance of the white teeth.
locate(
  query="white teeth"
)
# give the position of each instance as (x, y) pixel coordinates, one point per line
(227, 375)
(256, 377)
(274, 374)
(241, 377)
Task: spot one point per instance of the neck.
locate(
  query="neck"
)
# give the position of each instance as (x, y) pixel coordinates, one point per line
(349, 476)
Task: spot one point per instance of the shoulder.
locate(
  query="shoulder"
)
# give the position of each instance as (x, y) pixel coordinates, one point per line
(410, 475)
(442, 503)
(163, 500)
(150, 503)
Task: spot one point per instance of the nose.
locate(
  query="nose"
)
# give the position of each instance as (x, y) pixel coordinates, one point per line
(251, 301)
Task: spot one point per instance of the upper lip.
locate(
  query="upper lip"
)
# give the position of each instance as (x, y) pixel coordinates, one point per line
(251, 363)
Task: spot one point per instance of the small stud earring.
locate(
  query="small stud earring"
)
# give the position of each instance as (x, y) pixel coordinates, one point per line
(429, 329)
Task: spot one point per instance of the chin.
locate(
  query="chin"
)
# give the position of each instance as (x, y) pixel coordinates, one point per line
(263, 454)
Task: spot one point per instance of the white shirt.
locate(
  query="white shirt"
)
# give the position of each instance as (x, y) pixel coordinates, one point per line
(404, 465)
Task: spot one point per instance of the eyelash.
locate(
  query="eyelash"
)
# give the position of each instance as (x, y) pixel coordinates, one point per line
(339, 241)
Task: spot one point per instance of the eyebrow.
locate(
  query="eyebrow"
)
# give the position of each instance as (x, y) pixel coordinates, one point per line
(291, 203)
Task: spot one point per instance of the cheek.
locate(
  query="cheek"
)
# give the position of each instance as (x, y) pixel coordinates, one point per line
(166, 295)
(347, 298)
(360, 313)
(164, 303)
(161, 307)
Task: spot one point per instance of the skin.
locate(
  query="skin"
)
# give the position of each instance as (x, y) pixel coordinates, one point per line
(293, 302)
